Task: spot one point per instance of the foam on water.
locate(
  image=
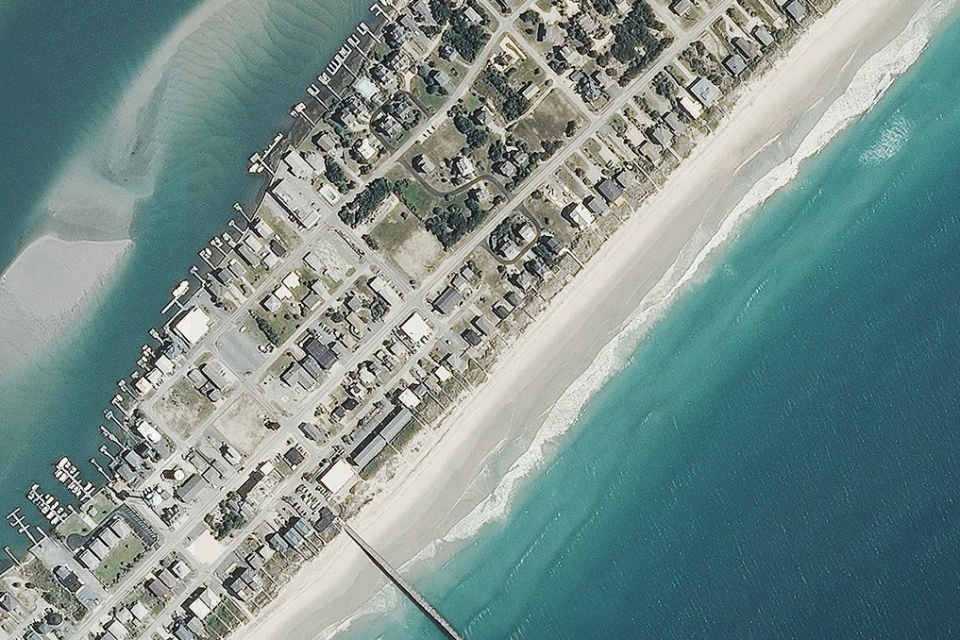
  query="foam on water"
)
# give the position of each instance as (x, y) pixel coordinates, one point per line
(891, 140)
(866, 88)
(864, 91)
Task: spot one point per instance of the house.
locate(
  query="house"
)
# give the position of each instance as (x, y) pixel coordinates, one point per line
(506, 168)
(325, 142)
(324, 354)
(296, 375)
(365, 149)
(448, 300)
(69, 580)
(423, 164)
(624, 178)
(552, 243)
(293, 457)
(763, 36)
(190, 489)
(157, 589)
(651, 152)
(682, 7)
(735, 64)
(609, 189)
(747, 48)
(462, 166)
(661, 135)
(596, 206)
(482, 325)
(578, 215)
(537, 267)
(796, 10)
(690, 106)
(471, 337)
(677, 126)
(705, 91)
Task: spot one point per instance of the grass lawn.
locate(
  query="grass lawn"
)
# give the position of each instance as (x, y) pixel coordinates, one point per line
(402, 237)
(282, 324)
(120, 561)
(420, 201)
(548, 120)
(432, 101)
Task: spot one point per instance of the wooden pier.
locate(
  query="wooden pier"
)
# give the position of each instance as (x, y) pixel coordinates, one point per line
(415, 597)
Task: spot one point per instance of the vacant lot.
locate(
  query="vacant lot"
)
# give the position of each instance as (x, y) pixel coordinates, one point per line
(548, 120)
(403, 239)
(182, 408)
(242, 424)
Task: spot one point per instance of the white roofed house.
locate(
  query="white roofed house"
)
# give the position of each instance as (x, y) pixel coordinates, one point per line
(705, 91)
(191, 325)
(297, 165)
(415, 328)
(366, 149)
(578, 215)
(463, 167)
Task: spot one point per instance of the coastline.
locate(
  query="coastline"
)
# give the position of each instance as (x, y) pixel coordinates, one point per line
(605, 311)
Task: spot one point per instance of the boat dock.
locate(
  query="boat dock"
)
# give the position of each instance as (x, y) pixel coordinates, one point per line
(68, 475)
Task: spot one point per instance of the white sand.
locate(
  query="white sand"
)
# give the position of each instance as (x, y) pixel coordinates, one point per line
(639, 268)
(46, 288)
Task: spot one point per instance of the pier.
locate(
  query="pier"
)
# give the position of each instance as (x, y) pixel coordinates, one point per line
(394, 576)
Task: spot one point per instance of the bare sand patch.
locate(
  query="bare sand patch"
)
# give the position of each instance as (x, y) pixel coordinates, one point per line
(46, 287)
(242, 424)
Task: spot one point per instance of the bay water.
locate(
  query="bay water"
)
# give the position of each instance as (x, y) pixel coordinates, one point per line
(211, 83)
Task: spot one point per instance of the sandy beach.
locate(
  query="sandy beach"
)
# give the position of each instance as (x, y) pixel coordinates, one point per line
(45, 288)
(781, 118)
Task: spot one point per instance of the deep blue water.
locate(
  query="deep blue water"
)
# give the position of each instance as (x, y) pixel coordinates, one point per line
(781, 456)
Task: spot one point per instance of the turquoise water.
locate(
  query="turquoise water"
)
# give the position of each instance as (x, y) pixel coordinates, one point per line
(64, 67)
(779, 459)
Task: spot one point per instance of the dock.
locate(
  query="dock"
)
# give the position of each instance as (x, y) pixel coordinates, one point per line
(408, 590)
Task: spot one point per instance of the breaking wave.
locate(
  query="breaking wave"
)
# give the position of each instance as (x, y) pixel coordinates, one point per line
(864, 91)
(891, 140)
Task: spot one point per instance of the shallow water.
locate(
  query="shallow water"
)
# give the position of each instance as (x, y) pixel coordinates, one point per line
(779, 458)
(224, 93)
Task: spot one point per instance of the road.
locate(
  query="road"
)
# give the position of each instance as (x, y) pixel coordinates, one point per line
(413, 299)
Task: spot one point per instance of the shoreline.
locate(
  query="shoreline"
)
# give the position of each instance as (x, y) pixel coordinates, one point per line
(655, 253)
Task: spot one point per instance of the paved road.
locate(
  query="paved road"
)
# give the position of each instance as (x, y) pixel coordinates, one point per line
(414, 300)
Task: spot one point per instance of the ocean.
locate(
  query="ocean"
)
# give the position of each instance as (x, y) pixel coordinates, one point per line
(211, 82)
(779, 456)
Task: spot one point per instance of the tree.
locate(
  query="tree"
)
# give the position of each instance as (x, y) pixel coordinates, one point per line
(603, 7)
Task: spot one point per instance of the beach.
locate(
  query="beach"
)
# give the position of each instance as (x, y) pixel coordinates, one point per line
(536, 390)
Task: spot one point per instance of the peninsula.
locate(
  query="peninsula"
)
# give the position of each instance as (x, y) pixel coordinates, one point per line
(453, 175)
